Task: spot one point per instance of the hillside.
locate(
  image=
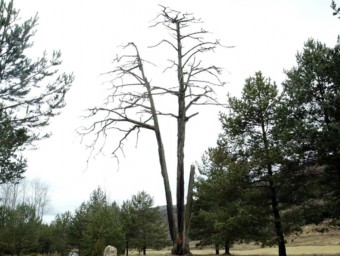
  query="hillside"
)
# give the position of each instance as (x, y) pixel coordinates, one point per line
(316, 235)
(323, 234)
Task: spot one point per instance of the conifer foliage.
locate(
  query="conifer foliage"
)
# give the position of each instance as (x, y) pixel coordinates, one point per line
(144, 226)
(31, 91)
(278, 154)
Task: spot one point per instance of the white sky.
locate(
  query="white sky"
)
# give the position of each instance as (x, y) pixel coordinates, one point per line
(267, 35)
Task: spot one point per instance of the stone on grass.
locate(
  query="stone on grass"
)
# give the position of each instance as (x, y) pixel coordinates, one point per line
(110, 251)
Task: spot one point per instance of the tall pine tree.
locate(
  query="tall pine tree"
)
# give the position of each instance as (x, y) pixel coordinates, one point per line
(249, 125)
(310, 119)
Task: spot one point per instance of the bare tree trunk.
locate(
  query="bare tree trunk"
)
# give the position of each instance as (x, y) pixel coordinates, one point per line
(161, 153)
(180, 184)
(181, 123)
(190, 200)
(188, 208)
(168, 196)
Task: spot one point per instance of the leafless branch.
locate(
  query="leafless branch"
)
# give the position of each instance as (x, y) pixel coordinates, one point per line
(164, 41)
(165, 90)
(195, 114)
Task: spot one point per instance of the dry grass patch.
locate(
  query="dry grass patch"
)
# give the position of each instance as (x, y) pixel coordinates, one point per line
(310, 242)
(297, 250)
(272, 251)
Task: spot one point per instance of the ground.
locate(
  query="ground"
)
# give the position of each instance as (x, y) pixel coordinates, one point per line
(320, 240)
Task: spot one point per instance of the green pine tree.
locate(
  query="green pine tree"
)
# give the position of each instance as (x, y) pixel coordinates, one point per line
(19, 230)
(310, 124)
(95, 225)
(143, 224)
(225, 210)
(249, 125)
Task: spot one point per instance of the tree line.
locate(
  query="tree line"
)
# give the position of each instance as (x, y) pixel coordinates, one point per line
(136, 225)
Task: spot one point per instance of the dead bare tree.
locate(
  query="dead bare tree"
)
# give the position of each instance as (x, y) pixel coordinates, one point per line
(131, 105)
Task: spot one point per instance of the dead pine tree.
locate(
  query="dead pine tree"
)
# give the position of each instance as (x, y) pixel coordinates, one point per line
(131, 106)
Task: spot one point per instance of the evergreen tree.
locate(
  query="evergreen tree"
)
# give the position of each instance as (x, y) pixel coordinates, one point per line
(31, 91)
(249, 124)
(78, 226)
(60, 229)
(95, 225)
(45, 242)
(310, 119)
(128, 221)
(19, 230)
(143, 223)
(225, 210)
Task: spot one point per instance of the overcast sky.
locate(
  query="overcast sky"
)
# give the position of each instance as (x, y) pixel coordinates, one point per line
(266, 36)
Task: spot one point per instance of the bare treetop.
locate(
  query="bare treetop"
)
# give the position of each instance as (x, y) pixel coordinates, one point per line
(188, 46)
(128, 108)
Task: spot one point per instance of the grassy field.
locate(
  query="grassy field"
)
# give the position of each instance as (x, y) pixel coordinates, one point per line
(297, 250)
(291, 250)
(310, 242)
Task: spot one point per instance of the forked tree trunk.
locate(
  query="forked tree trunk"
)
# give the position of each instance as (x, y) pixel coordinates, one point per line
(195, 85)
(168, 196)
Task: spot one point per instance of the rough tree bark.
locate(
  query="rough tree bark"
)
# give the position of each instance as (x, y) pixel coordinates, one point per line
(131, 106)
(188, 207)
